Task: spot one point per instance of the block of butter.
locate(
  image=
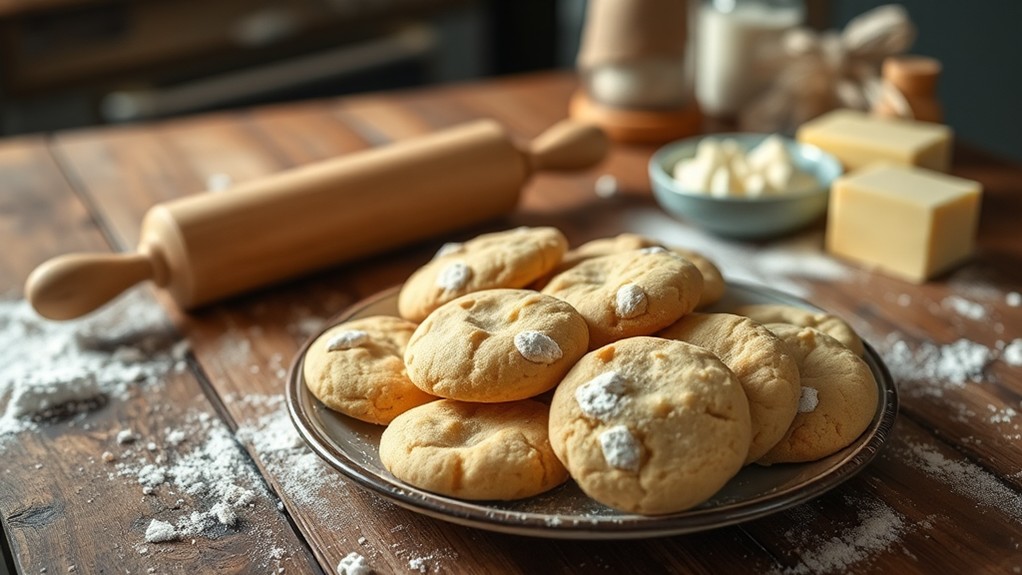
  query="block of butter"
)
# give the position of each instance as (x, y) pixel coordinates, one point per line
(858, 139)
(909, 222)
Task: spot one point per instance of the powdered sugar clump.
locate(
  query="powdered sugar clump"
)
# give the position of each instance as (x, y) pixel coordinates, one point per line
(603, 396)
(952, 365)
(454, 277)
(537, 347)
(347, 340)
(354, 564)
(55, 369)
(160, 532)
(1012, 354)
(808, 400)
(606, 186)
(620, 448)
(630, 301)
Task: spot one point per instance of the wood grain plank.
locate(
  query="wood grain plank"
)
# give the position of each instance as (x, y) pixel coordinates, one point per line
(65, 508)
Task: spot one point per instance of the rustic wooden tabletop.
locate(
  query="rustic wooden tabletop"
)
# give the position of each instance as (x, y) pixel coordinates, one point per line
(196, 434)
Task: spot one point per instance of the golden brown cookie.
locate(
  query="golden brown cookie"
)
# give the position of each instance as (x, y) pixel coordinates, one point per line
(496, 345)
(509, 259)
(829, 324)
(357, 368)
(767, 371)
(713, 281)
(473, 450)
(629, 293)
(650, 425)
(838, 399)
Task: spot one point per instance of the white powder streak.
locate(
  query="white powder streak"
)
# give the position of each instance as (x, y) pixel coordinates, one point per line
(301, 473)
(966, 479)
(964, 307)
(879, 527)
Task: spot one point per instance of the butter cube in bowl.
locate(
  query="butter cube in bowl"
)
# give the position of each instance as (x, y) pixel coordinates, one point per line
(745, 186)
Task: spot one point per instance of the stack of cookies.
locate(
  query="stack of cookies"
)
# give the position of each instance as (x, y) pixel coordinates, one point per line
(517, 363)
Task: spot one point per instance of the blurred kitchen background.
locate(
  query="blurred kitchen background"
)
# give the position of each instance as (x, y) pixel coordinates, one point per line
(69, 63)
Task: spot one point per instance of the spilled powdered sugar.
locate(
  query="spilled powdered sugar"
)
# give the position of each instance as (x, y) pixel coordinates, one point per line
(964, 478)
(878, 527)
(964, 307)
(301, 473)
(1012, 353)
(52, 370)
(949, 365)
(210, 467)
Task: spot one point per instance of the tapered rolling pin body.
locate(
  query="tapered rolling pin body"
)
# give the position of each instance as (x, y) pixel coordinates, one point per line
(208, 246)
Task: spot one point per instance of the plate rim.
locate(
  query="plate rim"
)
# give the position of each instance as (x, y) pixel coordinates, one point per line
(625, 526)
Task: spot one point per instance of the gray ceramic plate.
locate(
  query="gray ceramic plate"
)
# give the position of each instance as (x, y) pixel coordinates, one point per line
(351, 446)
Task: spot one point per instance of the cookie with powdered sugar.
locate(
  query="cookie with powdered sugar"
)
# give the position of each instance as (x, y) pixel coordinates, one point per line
(496, 345)
(838, 396)
(629, 294)
(765, 368)
(650, 425)
(509, 259)
(357, 368)
(472, 450)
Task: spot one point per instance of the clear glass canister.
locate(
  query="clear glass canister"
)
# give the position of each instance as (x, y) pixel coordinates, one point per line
(738, 50)
(633, 53)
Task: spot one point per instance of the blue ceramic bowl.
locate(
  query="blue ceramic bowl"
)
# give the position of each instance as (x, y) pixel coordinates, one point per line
(740, 217)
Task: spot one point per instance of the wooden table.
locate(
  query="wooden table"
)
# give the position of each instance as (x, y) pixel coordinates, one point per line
(944, 495)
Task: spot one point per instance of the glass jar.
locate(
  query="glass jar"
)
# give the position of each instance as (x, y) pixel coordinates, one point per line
(738, 50)
(633, 53)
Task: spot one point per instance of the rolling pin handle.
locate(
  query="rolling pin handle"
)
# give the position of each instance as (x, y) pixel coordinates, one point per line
(567, 145)
(72, 285)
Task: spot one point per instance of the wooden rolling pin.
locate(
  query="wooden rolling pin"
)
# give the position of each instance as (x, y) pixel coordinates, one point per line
(208, 246)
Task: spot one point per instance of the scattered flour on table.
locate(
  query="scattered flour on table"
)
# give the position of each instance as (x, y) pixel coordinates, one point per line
(302, 474)
(779, 264)
(52, 370)
(964, 307)
(878, 528)
(936, 366)
(964, 478)
(203, 482)
(212, 469)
